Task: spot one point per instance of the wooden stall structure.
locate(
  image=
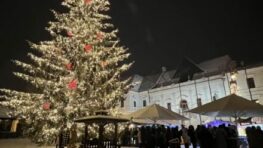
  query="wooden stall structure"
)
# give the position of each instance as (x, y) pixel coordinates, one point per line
(101, 118)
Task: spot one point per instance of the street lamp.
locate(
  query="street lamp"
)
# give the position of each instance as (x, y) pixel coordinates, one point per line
(233, 76)
(255, 100)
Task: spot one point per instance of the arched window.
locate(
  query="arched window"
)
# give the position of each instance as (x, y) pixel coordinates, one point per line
(134, 103)
(184, 105)
(122, 103)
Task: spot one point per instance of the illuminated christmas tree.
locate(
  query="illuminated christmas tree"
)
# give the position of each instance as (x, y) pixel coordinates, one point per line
(75, 73)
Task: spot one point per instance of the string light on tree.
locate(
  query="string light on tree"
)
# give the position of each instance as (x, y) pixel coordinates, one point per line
(103, 64)
(99, 36)
(70, 84)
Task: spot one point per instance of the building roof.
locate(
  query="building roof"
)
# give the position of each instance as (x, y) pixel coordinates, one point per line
(187, 69)
(149, 82)
(216, 64)
(165, 78)
(240, 67)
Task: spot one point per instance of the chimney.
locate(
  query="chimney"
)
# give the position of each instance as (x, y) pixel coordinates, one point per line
(242, 63)
(163, 69)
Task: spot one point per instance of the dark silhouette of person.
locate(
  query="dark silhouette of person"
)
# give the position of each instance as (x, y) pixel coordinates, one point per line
(192, 135)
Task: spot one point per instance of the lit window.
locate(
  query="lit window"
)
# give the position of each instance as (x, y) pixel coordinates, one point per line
(183, 105)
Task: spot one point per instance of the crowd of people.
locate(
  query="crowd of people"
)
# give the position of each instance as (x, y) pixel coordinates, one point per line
(204, 137)
(254, 137)
(159, 136)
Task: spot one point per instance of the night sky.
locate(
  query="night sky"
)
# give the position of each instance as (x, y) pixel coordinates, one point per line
(157, 32)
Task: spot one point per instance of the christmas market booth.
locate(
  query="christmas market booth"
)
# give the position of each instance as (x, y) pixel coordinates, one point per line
(156, 113)
(101, 118)
(234, 106)
(8, 124)
(230, 106)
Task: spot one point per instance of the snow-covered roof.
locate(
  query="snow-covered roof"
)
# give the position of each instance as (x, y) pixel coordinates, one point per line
(149, 82)
(216, 64)
(213, 66)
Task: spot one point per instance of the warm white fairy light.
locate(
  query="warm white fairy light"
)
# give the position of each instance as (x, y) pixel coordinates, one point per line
(96, 71)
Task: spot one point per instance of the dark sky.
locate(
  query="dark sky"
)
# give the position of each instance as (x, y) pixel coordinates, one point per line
(157, 32)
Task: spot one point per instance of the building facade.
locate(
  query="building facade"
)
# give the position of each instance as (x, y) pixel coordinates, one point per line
(193, 84)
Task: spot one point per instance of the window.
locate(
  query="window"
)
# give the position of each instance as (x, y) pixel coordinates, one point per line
(144, 103)
(215, 97)
(122, 103)
(134, 103)
(199, 102)
(184, 105)
(251, 83)
(169, 106)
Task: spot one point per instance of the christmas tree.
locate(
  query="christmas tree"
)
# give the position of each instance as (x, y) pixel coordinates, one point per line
(75, 73)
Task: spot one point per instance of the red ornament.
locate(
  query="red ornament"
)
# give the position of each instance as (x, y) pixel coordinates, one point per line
(70, 34)
(99, 36)
(72, 84)
(46, 105)
(69, 66)
(88, 48)
(87, 1)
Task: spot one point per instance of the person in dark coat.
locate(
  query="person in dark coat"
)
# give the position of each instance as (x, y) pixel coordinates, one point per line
(206, 138)
(221, 137)
(176, 141)
(125, 137)
(192, 135)
(168, 135)
(185, 136)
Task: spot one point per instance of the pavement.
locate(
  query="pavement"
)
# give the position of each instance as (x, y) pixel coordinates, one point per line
(26, 143)
(19, 143)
